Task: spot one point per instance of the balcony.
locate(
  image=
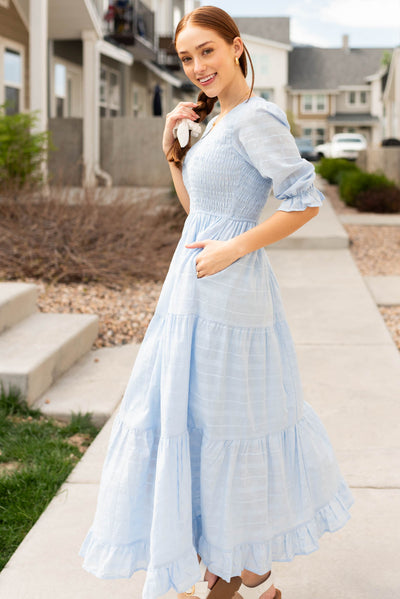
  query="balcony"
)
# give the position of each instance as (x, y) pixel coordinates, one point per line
(131, 23)
(167, 55)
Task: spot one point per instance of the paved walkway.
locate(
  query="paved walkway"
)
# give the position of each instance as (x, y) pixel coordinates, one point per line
(351, 375)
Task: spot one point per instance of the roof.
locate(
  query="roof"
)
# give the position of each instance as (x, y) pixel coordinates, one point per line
(276, 29)
(352, 117)
(329, 68)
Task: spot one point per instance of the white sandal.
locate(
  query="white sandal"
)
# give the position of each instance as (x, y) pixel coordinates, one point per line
(220, 589)
(256, 592)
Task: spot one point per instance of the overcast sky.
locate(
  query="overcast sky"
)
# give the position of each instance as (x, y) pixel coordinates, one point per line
(371, 23)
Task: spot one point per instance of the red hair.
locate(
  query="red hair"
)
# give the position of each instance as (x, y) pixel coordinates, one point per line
(216, 19)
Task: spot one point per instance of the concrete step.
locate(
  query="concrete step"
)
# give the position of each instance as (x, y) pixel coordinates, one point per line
(36, 351)
(94, 384)
(17, 301)
(324, 232)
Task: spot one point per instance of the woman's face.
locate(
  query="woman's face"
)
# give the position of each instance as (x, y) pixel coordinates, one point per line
(208, 60)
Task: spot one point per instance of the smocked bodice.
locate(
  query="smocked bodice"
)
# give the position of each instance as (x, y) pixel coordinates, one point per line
(231, 169)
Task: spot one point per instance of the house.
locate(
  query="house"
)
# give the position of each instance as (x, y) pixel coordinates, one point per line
(337, 90)
(268, 42)
(391, 98)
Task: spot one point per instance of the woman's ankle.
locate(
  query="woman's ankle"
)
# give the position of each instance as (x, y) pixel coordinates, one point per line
(251, 579)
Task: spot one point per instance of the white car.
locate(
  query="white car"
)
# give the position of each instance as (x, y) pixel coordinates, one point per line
(343, 145)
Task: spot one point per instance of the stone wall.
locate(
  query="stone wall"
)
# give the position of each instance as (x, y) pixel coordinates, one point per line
(386, 160)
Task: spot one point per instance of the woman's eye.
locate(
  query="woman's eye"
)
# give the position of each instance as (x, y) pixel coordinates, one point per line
(208, 51)
(185, 59)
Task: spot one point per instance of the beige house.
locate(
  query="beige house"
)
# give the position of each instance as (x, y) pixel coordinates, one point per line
(391, 98)
(268, 41)
(337, 90)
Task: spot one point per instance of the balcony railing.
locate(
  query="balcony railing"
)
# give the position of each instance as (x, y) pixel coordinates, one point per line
(167, 54)
(130, 22)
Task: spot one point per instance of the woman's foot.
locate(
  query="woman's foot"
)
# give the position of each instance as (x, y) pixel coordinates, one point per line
(251, 579)
(211, 579)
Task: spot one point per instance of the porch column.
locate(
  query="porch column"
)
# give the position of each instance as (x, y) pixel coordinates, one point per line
(91, 121)
(38, 19)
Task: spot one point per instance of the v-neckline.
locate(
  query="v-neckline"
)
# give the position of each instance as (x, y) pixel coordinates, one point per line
(210, 127)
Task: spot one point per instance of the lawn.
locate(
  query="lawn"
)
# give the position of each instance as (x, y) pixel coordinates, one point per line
(36, 456)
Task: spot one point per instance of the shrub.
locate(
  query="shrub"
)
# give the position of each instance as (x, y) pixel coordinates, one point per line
(21, 150)
(331, 169)
(57, 240)
(353, 183)
(379, 199)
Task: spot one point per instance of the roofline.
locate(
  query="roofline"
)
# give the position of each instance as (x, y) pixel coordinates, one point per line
(293, 91)
(114, 52)
(266, 41)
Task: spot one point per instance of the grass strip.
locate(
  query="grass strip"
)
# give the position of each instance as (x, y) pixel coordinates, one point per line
(36, 456)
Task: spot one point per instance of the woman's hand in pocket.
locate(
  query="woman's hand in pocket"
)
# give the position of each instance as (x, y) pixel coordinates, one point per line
(216, 256)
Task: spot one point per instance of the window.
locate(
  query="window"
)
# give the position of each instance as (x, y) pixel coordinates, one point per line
(321, 99)
(110, 92)
(60, 88)
(320, 137)
(12, 80)
(355, 98)
(317, 134)
(314, 103)
(307, 103)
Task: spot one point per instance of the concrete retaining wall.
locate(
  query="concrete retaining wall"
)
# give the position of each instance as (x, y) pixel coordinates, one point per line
(386, 160)
(130, 150)
(65, 162)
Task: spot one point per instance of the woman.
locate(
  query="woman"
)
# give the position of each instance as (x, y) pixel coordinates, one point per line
(214, 452)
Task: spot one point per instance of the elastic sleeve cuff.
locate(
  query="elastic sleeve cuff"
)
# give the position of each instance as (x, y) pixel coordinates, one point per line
(311, 197)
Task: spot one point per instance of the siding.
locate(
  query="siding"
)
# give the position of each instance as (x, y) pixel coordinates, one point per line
(13, 28)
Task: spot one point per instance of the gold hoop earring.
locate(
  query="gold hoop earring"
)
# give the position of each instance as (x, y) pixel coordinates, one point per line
(236, 60)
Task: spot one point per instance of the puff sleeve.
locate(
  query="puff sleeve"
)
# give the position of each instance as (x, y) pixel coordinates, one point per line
(265, 141)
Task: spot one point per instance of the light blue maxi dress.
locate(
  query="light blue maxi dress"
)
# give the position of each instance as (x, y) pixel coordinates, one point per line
(213, 449)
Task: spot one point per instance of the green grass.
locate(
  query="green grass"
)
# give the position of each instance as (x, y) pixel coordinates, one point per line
(36, 456)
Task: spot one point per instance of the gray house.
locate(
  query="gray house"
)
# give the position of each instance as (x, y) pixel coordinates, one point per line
(337, 90)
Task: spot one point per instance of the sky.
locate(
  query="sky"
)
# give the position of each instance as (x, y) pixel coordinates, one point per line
(369, 23)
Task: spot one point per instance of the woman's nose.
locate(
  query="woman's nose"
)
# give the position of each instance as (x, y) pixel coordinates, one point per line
(198, 65)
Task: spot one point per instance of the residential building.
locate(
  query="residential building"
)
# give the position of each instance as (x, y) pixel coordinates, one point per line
(268, 42)
(85, 60)
(337, 90)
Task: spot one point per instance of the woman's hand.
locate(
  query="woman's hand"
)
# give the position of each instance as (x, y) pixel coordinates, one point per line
(215, 256)
(184, 110)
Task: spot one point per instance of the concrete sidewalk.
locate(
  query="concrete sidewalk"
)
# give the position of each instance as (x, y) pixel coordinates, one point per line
(350, 369)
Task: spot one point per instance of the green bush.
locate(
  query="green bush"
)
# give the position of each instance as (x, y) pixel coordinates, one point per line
(21, 150)
(353, 183)
(331, 169)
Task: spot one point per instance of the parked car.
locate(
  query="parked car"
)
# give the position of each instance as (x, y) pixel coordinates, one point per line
(306, 148)
(343, 145)
(390, 141)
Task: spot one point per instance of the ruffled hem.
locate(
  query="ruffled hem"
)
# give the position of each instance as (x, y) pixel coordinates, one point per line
(309, 197)
(173, 529)
(302, 540)
(104, 560)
